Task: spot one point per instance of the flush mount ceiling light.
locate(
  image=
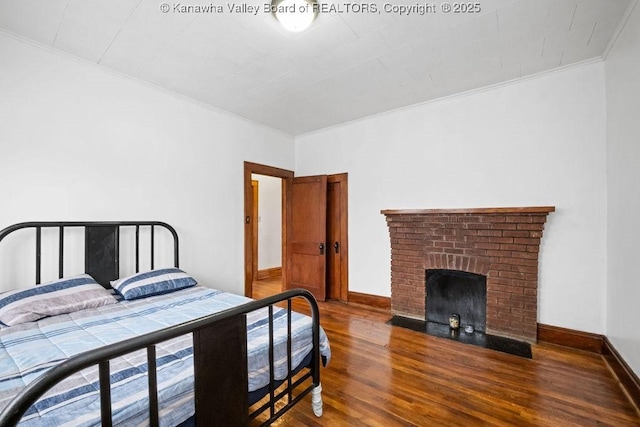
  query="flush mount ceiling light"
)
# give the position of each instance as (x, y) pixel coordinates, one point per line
(295, 15)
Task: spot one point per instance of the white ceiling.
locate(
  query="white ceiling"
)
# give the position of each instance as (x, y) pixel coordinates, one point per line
(346, 66)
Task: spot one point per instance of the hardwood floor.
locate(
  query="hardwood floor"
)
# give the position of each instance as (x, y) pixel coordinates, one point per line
(382, 375)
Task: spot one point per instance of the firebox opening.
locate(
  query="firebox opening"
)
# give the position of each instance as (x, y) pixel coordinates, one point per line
(459, 292)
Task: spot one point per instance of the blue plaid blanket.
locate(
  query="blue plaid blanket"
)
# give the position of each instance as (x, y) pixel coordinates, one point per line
(29, 349)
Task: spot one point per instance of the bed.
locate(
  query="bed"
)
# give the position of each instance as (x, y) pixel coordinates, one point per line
(153, 347)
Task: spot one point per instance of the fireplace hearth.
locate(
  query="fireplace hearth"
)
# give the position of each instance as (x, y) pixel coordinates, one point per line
(501, 244)
(477, 338)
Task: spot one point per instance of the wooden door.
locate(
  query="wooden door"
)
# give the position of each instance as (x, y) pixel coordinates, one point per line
(337, 245)
(306, 234)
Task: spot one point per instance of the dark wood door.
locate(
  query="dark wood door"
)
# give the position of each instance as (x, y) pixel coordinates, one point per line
(306, 234)
(334, 279)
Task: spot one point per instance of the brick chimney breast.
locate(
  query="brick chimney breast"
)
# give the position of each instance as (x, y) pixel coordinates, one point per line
(499, 243)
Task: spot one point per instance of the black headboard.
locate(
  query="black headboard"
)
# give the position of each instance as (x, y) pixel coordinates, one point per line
(101, 243)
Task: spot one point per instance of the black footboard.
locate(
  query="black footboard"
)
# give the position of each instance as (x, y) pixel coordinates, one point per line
(220, 366)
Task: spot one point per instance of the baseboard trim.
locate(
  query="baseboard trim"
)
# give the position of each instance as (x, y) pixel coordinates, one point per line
(625, 374)
(571, 338)
(268, 273)
(374, 302)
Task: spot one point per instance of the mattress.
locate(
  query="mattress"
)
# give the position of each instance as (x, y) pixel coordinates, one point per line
(30, 349)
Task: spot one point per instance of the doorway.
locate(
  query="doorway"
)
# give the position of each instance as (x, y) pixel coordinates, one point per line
(266, 220)
(250, 234)
(334, 240)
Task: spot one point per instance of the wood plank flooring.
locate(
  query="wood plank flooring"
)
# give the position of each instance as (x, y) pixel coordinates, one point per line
(382, 375)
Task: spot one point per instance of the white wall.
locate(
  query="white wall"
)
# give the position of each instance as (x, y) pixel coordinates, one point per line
(81, 143)
(78, 142)
(623, 226)
(270, 222)
(540, 141)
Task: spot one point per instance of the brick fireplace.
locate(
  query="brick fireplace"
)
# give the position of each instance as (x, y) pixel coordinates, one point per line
(499, 243)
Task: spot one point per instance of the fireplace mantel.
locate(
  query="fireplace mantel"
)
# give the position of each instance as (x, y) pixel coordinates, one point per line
(505, 210)
(501, 243)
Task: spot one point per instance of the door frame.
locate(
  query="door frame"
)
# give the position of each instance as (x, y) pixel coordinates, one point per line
(254, 227)
(249, 169)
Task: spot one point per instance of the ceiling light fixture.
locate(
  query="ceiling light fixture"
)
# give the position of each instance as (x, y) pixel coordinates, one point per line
(295, 15)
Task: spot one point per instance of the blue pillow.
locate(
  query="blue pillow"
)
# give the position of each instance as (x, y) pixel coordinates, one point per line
(58, 297)
(154, 282)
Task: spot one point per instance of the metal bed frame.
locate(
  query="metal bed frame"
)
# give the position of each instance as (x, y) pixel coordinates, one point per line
(220, 337)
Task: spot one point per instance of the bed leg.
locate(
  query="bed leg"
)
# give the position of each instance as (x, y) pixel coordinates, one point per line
(316, 400)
